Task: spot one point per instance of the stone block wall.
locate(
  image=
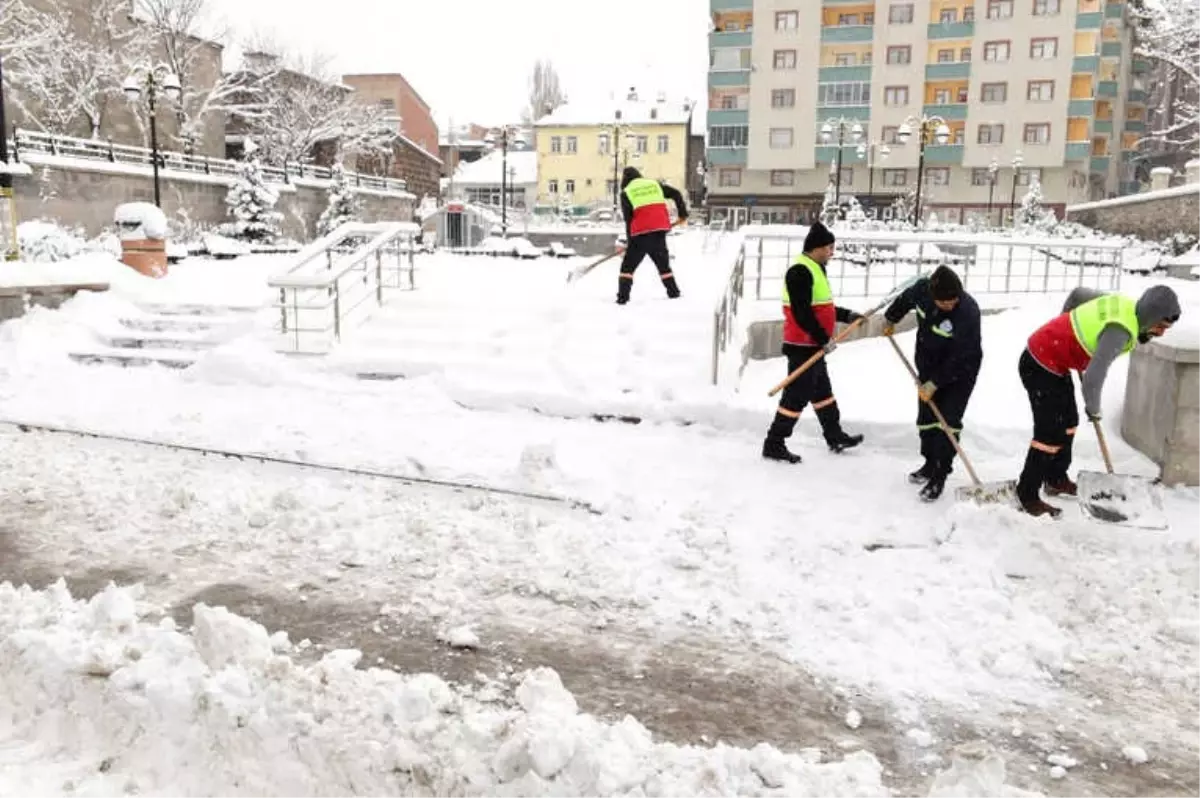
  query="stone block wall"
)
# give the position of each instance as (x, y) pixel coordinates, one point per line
(1152, 216)
(85, 193)
(1161, 417)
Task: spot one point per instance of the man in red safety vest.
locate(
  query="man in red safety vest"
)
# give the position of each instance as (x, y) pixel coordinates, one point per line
(1092, 331)
(647, 220)
(809, 319)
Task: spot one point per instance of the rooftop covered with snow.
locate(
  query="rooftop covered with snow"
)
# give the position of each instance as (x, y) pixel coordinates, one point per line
(489, 169)
(641, 111)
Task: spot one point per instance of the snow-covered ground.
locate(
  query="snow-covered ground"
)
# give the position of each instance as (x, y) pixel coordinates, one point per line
(981, 616)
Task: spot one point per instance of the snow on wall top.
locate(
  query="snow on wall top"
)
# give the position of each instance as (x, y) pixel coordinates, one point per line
(632, 112)
(487, 170)
(1134, 199)
(140, 220)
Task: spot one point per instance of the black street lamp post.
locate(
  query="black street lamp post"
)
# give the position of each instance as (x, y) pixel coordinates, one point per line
(151, 81)
(1017, 161)
(8, 211)
(841, 124)
(993, 173)
(508, 135)
(930, 129)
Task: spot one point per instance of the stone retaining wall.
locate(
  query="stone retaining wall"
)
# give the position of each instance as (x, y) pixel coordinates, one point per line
(1152, 216)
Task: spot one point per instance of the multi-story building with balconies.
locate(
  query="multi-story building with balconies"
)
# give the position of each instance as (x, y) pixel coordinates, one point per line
(1048, 85)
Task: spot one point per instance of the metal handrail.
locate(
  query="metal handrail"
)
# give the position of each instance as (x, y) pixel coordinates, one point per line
(725, 314)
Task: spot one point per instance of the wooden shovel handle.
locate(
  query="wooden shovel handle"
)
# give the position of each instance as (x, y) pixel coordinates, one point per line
(806, 365)
(1103, 445)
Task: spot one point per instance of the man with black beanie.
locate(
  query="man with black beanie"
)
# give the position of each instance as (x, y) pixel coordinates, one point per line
(647, 220)
(948, 357)
(809, 319)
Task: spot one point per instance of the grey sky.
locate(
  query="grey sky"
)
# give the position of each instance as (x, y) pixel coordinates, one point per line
(470, 59)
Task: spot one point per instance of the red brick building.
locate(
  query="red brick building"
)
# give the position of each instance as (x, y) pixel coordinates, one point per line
(415, 151)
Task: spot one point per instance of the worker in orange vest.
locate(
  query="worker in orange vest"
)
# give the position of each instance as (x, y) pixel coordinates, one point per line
(647, 220)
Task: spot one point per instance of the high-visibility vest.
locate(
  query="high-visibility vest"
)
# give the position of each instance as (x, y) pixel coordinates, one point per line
(822, 304)
(650, 213)
(1089, 320)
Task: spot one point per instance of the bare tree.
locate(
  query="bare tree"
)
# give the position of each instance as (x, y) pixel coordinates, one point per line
(545, 91)
(1169, 33)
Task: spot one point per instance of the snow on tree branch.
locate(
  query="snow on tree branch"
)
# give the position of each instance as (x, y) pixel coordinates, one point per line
(1169, 32)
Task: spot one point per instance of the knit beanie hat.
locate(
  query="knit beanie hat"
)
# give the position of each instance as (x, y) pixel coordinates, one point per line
(944, 284)
(818, 236)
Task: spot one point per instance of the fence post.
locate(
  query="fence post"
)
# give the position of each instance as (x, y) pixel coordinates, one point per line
(112, 155)
(379, 276)
(53, 145)
(757, 277)
(337, 311)
(16, 150)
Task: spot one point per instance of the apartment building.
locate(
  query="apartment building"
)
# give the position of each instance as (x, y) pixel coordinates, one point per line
(581, 148)
(1022, 87)
(414, 156)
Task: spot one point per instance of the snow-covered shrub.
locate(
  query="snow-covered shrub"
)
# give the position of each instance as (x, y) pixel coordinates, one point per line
(46, 242)
(856, 217)
(829, 206)
(1179, 243)
(1033, 214)
(251, 203)
(343, 204)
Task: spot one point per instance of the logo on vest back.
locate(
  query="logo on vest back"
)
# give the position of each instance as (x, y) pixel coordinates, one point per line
(947, 327)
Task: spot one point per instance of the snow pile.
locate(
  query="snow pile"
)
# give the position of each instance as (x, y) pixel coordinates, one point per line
(46, 242)
(137, 221)
(976, 771)
(225, 709)
(248, 361)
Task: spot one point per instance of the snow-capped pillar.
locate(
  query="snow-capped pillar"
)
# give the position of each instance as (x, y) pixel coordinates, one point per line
(1192, 170)
(142, 228)
(1160, 178)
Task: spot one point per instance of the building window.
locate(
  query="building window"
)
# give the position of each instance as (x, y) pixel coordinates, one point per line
(948, 15)
(729, 178)
(891, 135)
(963, 94)
(783, 177)
(643, 144)
(938, 175)
(572, 145)
(993, 93)
(610, 186)
(844, 59)
(849, 93)
(1037, 133)
(552, 186)
(969, 13)
(996, 51)
(1078, 180)
(899, 55)
(866, 58)
(387, 104)
(964, 55)
(556, 144)
(847, 177)
(847, 19)
(1025, 176)
(1000, 9)
(1043, 49)
(787, 20)
(663, 144)
(1040, 91)
(895, 95)
(1042, 8)
(981, 177)
(895, 177)
(785, 59)
(730, 58)
(901, 14)
(941, 96)
(729, 136)
(991, 134)
(783, 98)
(602, 143)
(780, 138)
(945, 56)
(569, 186)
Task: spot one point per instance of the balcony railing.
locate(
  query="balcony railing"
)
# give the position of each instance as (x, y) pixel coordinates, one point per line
(944, 153)
(952, 69)
(859, 112)
(29, 141)
(837, 74)
(950, 30)
(1137, 96)
(1078, 150)
(953, 111)
(726, 156)
(739, 38)
(847, 33)
(1089, 20)
(1099, 163)
(1111, 49)
(728, 116)
(1103, 126)
(1135, 126)
(1085, 63)
(730, 5)
(1081, 107)
(1106, 88)
(1114, 11)
(730, 77)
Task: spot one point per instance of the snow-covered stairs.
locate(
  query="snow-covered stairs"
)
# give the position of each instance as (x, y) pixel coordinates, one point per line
(173, 336)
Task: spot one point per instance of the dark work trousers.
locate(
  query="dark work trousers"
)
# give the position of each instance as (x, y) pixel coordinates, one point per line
(654, 245)
(935, 446)
(811, 387)
(1055, 417)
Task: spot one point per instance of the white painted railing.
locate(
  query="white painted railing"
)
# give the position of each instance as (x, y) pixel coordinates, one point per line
(335, 282)
(725, 314)
(870, 263)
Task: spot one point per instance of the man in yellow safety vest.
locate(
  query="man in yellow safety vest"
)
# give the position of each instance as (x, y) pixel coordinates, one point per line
(647, 220)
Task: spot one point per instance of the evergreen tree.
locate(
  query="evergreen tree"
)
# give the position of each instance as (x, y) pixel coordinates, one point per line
(1033, 213)
(829, 207)
(343, 203)
(252, 201)
(856, 217)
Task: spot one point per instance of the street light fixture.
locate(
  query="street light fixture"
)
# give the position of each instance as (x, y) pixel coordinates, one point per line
(150, 81)
(993, 174)
(621, 158)
(508, 134)
(1018, 161)
(841, 125)
(929, 130)
(873, 151)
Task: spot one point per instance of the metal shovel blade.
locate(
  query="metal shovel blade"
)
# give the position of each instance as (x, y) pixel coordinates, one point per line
(1121, 499)
(1003, 492)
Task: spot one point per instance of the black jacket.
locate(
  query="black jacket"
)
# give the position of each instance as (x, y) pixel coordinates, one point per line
(954, 352)
(670, 192)
(800, 287)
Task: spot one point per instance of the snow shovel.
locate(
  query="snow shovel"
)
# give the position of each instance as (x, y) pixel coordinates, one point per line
(1120, 498)
(583, 271)
(978, 492)
(806, 365)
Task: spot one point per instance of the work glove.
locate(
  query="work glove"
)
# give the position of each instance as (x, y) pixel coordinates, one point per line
(829, 347)
(926, 390)
(889, 330)
(683, 221)
(1093, 415)
(853, 316)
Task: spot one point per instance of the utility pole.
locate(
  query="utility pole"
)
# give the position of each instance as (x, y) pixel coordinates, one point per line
(8, 207)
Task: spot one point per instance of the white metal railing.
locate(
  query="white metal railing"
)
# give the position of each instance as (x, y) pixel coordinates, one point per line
(30, 141)
(870, 263)
(725, 314)
(334, 282)
(713, 232)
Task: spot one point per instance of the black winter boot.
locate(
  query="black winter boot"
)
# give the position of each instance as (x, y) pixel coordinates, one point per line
(624, 287)
(831, 425)
(1057, 482)
(672, 288)
(1030, 483)
(774, 447)
(933, 488)
(921, 475)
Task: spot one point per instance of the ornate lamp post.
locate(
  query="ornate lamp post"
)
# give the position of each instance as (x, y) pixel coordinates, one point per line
(1017, 161)
(930, 130)
(150, 81)
(993, 174)
(508, 134)
(841, 125)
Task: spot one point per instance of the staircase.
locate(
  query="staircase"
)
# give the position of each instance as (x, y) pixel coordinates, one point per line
(173, 336)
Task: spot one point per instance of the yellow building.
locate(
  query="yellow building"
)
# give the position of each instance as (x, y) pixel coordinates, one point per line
(581, 149)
